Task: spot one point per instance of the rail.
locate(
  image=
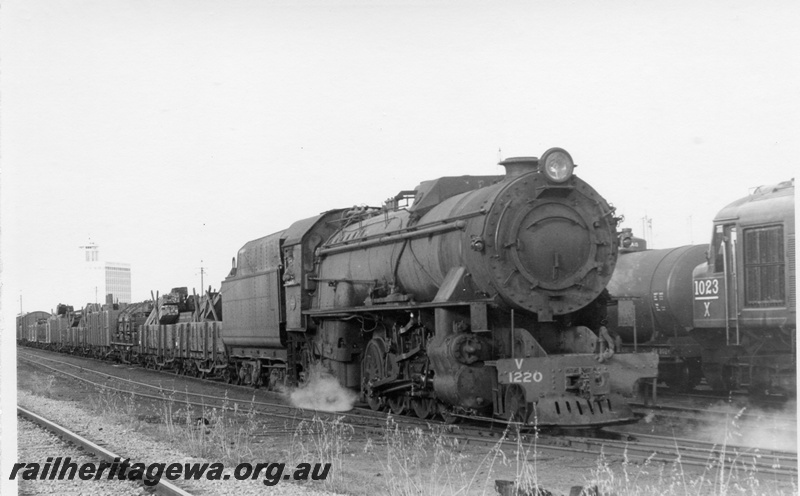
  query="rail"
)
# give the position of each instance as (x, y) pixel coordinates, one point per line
(163, 487)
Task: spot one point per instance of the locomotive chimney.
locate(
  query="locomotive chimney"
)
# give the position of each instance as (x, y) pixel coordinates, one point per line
(516, 166)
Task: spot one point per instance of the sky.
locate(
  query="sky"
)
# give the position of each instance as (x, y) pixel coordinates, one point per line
(171, 132)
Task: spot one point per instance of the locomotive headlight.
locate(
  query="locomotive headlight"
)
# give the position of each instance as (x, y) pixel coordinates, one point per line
(557, 165)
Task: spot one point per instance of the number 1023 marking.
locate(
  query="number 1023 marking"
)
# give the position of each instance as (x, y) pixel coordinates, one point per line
(706, 287)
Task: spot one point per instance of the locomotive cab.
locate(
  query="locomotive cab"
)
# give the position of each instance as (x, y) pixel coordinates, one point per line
(744, 295)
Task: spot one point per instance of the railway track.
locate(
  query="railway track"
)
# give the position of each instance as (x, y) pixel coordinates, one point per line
(749, 422)
(773, 402)
(704, 454)
(163, 487)
(608, 442)
(692, 413)
(158, 392)
(652, 448)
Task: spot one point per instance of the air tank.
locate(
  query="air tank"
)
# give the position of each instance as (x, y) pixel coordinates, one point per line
(654, 293)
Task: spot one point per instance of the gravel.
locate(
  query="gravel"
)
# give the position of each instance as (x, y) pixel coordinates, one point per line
(138, 448)
(36, 444)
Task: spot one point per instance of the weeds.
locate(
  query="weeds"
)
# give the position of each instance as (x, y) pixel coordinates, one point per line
(223, 433)
(526, 474)
(325, 441)
(114, 404)
(422, 462)
(656, 479)
(42, 385)
(418, 461)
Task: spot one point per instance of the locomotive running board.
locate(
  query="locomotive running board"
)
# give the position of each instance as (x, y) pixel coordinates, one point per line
(345, 312)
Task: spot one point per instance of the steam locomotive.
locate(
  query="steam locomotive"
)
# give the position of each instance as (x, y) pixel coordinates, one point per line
(468, 296)
(726, 311)
(480, 297)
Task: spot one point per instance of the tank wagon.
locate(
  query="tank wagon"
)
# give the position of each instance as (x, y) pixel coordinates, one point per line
(652, 308)
(726, 311)
(471, 295)
(744, 296)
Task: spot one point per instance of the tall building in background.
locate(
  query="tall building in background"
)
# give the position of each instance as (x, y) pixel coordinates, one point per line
(101, 279)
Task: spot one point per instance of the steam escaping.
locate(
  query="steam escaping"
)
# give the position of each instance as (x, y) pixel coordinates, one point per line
(322, 392)
(763, 429)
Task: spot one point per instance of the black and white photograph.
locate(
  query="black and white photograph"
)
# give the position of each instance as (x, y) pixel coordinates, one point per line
(402, 247)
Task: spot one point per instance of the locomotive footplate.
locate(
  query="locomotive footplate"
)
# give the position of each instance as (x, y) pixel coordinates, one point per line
(572, 390)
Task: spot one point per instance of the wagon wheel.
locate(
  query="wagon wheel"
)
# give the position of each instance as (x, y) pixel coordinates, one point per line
(229, 375)
(423, 407)
(212, 371)
(398, 404)
(718, 376)
(695, 371)
(516, 406)
(275, 378)
(256, 380)
(372, 370)
(236, 379)
(685, 376)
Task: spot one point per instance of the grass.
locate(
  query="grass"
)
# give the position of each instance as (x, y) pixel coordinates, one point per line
(719, 476)
(432, 462)
(422, 462)
(656, 479)
(42, 385)
(324, 440)
(401, 461)
(230, 433)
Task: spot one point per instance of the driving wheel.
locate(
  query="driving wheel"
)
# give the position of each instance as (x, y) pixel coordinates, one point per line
(372, 371)
(423, 407)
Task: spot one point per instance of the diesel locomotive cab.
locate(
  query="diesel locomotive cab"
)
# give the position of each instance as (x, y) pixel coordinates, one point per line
(744, 308)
